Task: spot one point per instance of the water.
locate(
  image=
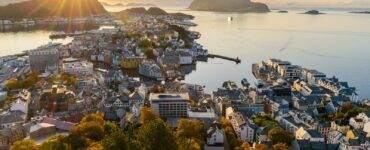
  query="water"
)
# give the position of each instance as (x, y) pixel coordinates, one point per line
(336, 43)
(17, 42)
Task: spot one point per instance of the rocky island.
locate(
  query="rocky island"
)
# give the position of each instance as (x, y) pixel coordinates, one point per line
(313, 12)
(228, 6)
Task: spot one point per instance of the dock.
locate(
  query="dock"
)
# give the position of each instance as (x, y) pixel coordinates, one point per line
(236, 60)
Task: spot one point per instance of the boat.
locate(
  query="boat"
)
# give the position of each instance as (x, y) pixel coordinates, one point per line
(230, 18)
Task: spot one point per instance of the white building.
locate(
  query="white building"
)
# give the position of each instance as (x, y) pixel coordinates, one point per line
(243, 127)
(170, 104)
(73, 66)
(215, 135)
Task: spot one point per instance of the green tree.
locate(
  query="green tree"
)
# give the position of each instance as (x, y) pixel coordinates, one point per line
(279, 135)
(156, 135)
(24, 145)
(192, 130)
(54, 143)
(115, 141)
(96, 117)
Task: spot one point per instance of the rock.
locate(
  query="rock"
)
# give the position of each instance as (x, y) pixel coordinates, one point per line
(313, 12)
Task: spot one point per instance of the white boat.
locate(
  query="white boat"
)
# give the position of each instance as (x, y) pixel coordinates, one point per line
(230, 18)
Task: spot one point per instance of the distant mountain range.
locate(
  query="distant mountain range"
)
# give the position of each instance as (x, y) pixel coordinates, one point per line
(51, 8)
(151, 11)
(228, 6)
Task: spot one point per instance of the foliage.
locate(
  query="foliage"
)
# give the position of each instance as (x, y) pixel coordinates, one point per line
(147, 115)
(230, 134)
(246, 146)
(261, 147)
(156, 135)
(24, 145)
(31, 79)
(54, 143)
(187, 144)
(192, 130)
(265, 121)
(279, 135)
(280, 146)
(115, 141)
(146, 43)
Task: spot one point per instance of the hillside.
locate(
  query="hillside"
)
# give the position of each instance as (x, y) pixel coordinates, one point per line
(51, 8)
(151, 11)
(228, 6)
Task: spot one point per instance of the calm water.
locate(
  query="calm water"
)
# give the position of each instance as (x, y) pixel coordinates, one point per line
(336, 43)
(17, 42)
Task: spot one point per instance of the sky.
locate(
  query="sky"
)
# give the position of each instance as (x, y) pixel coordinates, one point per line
(322, 3)
(184, 3)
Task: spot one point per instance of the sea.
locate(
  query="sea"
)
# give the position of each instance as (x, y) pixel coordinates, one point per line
(336, 43)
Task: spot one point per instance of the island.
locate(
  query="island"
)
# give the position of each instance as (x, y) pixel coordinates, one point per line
(283, 11)
(313, 12)
(360, 12)
(52, 9)
(153, 11)
(228, 6)
(139, 4)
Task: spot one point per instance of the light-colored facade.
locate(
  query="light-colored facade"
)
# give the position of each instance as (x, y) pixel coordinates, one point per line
(44, 59)
(169, 104)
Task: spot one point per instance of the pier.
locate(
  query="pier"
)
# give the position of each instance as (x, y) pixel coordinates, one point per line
(236, 60)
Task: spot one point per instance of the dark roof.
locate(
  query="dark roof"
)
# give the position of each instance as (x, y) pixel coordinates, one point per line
(314, 133)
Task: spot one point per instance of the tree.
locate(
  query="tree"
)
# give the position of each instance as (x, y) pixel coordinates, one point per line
(232, 140)
(54, 143)
(24, 145)
(280, 146)
(187, 144)
(12, 84)
(90, 130)
(278, 135)
(95, 146)
(156, 135)
(192, 130)
(261, 147)
(115, 141)
(96, 117)
(246, 146)
(147, 115)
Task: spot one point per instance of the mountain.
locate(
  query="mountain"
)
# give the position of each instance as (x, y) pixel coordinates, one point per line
(155, 11)
(51, 8)
(228, 6)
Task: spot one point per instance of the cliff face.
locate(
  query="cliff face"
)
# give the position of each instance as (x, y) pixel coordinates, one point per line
(228, 6)
(52, 8)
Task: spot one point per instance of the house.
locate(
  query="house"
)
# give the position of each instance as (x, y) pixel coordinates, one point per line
(215, 135)
(340, 125)
(57, 99)
(75, 67)
(42, 130)
(151, 70)
(357, 122)
(244, 128)
(12, 118)
(316, 140)
(185, 58)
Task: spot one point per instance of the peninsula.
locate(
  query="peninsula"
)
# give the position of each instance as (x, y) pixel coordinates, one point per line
(228, 6)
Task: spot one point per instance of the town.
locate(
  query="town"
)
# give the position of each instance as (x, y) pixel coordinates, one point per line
(120, 87)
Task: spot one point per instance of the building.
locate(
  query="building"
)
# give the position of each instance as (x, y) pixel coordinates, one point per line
(151, 70)
(45, 59)
(57, 99)
(75, 67)
(244, 128)
(170, 104)
(215, 135)
(340, 125)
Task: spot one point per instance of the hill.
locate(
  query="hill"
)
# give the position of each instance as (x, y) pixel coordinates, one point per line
(228, 6)
(155, 11)
(51, 9)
